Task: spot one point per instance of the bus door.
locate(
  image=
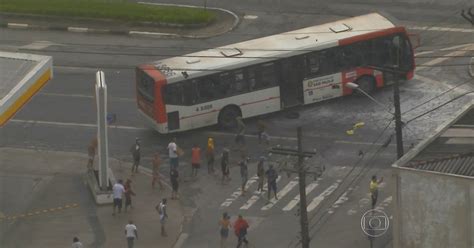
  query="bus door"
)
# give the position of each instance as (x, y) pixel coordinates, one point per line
(291, 78)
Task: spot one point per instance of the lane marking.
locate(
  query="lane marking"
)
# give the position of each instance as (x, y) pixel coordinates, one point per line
(86, 96)
(215, 133)
(384, 203)
(447, 57)
(281, 194)
(17, 25)
(443, 29)
(318, 199)
(310, 187)
(73, 124)
(237, 193)
(257, 195)
(77, 29)
(250, 17)
(37, 212)
(37, 45)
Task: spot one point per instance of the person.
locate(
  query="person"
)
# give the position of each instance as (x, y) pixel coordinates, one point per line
(174, 184)
(240, 136)
(76, 243)
(173, 154)
(161, 208)
(128, 194)
(224, 225)
(272, 176)
(118, 190)
(374, 189)
(195, 159)
(225, 165)
(131, 233)
(91, 151)
(262, 135)
(210, 155)
(135, 150)
(244, 172)
(156, 171)
(260, 174)
(240, 229)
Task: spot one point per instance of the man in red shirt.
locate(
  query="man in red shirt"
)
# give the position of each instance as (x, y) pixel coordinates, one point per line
(195, 159)
(240, 228)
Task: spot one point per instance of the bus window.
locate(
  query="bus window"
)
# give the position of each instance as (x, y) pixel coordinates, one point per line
(189, 92)
(328, 61)
(239, 85)
(251, 77)
(206, 89)
(313, 64)
(173, 94)
(145, 85)
(224, 84)
(267, 76)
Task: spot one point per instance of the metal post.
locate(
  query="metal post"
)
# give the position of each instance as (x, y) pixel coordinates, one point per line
(101, 99)
(302, 185)
(398, 118)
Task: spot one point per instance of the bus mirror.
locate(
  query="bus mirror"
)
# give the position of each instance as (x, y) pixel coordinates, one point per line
(414, 40)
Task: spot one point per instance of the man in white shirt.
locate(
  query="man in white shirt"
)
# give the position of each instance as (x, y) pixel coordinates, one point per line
(118, 191)
(131, 233)
(173, 154)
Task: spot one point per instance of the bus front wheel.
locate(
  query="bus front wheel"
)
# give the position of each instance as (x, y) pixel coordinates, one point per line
(366, 84)
(227, 117)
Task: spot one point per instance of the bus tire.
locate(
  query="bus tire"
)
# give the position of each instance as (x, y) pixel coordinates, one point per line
(227, 117)
(366, 83)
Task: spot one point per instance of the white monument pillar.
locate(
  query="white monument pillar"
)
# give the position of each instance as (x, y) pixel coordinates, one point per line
(101, 98)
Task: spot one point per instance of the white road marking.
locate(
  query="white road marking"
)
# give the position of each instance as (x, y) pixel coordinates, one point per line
(86, 96)
(454, 47)
(281, 194)
(310, 187)
(237, 193)
(256, 195)
(38, 45)
(318, 199)
(425, 52)
(73, 124)
(446, 57)
(250, 17)
(384, 203)
(17, 25)
(77, 29)
(443, 29)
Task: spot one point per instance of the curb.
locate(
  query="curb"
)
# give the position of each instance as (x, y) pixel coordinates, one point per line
(471, 67)
(87, 30)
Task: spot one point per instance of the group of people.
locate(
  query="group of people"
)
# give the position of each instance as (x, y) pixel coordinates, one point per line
(270, 174)
(240, 229)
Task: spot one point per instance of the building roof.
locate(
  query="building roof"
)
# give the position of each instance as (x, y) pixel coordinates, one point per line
(449, 150)
(21, 76)
(267, 48)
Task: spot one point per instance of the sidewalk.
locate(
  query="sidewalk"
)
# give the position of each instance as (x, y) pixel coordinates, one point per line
(225, 22)
(44, 202)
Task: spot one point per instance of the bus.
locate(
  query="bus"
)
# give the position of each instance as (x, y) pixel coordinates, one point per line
(273, 73)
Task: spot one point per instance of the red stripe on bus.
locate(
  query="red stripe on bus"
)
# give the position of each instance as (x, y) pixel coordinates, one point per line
(217, 110)
(371, 35)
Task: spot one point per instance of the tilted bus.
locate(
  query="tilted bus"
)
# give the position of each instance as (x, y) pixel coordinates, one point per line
(272, 73)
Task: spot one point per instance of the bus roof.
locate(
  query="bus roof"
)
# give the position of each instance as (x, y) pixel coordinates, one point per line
(270, 47)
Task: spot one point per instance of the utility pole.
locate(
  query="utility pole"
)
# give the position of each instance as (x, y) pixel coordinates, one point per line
(302, 171)
(398, 118)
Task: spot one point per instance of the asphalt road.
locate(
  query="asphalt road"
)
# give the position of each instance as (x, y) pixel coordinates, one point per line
(62, 115)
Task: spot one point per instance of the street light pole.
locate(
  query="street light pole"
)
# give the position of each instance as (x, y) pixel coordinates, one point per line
(302, 188)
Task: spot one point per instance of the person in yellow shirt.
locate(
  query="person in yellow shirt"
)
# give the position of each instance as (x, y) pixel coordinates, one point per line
(210, 155)
(374, 189)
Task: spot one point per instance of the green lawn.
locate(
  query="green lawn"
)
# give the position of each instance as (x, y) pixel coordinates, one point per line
(109, 9)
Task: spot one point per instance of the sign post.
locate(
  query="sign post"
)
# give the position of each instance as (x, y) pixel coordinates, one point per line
(101, 99)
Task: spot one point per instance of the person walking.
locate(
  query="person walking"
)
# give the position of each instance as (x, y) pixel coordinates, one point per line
(244, 172)
(225, 165)
(128, 194)
(131, 233)
(156, 171)
(174, 184)
(240, 136)
(262, 134)
(272, 176)
(260, 174)
(225, 226)
(195, 160)
(135, 150)
(118, 191)
(161, 208)
(173, 154)
(91, 151)
(374, 189)
(210, 155)
(76, 243)
(240, 229)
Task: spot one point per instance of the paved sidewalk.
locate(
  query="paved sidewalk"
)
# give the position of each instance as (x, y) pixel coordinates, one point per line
(44, 202)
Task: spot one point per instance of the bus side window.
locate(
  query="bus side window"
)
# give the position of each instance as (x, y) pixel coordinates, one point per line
(205, 88)
(189, 92)
(239, 85)
(251, 78)
(223, 84)
(267, 76)
(313, 64)
(173, 94)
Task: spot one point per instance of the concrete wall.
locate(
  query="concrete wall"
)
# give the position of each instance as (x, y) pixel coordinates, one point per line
(433, 210)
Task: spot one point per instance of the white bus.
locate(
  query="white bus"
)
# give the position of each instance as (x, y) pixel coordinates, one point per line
(272, 73)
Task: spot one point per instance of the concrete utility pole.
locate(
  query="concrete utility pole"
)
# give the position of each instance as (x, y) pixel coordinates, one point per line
(302, 182)
(101, 99)
(398, 118)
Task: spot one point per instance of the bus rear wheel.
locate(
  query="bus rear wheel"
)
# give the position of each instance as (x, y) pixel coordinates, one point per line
(227, 117)
(366, 84)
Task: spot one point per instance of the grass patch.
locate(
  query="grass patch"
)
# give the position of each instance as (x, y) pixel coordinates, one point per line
(109, 9)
